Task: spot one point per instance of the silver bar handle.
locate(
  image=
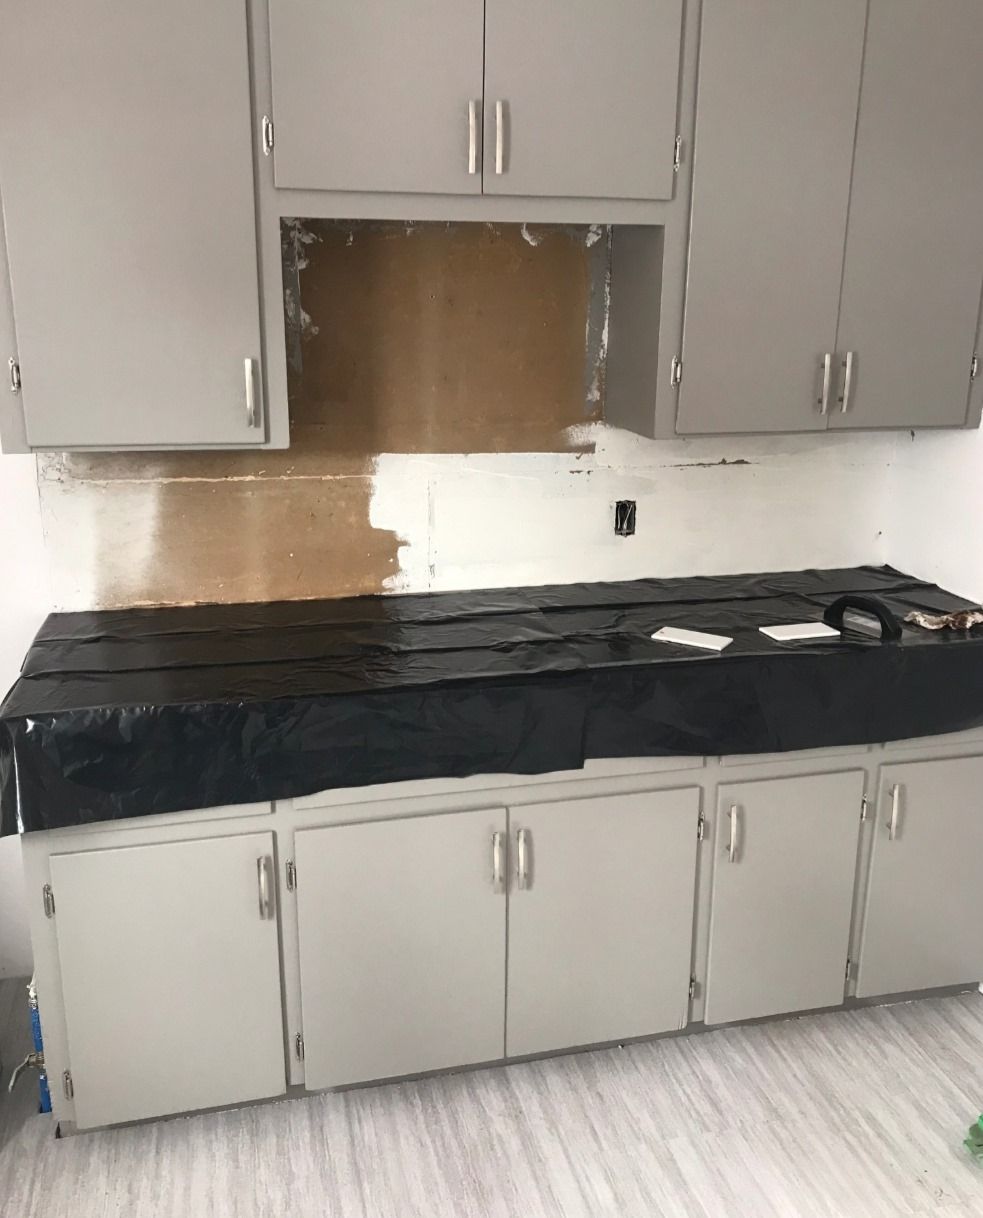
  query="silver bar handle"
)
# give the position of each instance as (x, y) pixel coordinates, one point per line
(264, 880)
(847, 382)
(252, 417)
(498, 862)
(892, 824)
(734, 816)
(472, 136)
(522, 859)
(500, 137)
(827, 382)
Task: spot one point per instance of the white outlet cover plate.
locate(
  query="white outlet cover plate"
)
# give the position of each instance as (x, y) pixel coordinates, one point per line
(692, 638)
(799, 630)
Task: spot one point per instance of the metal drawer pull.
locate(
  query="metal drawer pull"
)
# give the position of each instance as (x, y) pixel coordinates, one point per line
(892, 824)
(264, 872)
(734, 816)
(498, 862)
(847, 382)
(499, 137)
(827, 382)
(522, 859)
(251, 416)
(472, 136)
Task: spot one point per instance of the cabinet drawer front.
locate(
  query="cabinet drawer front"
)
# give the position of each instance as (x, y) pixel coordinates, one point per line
(170, 977)
(600, 919)
(402, 946)
(925, 899)
(785, 857)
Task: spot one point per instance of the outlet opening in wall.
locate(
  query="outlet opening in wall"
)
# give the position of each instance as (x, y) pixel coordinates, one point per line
(464, 337)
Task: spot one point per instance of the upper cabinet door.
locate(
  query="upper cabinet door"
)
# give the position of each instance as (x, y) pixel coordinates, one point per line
(776, 117)
(126, 156)
(580, 98)
(914, 260)
(376, 95)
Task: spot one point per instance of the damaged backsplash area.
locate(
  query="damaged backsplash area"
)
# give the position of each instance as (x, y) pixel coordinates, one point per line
(445, 337)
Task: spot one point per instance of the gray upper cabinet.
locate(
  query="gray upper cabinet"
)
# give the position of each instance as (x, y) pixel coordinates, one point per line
(127, 165)
(600, 919)
(371, 95)
(580, 101)
(163, 949)
(914, 255)
(785, 857)
(924, 899)
(776, 114)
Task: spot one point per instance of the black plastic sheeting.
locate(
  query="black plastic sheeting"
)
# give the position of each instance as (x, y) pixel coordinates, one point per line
(133, 712)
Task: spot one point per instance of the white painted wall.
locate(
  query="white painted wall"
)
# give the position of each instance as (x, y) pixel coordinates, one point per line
(24, 601)
(704, 507)
(936, 496)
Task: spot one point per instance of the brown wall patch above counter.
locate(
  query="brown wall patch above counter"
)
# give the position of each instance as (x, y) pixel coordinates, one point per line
(445, 337)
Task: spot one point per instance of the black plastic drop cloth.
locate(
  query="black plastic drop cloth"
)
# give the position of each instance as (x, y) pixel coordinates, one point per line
(132, 712)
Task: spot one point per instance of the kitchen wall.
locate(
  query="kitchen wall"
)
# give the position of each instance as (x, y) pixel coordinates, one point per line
(935, 499)
(24, 600)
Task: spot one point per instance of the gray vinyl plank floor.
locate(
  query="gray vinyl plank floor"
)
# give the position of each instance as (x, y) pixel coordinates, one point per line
(851, 1114)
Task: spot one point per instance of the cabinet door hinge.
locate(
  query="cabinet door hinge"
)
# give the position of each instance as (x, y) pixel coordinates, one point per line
(14, 367)
(291, 875)
(299, 1046)
(68, 1085)
(864, 808)
(701, 827)
(692, 987)
(974, 368)
(677, 154)
(676, 372)
(267, 135)
(849, 969)
(48, 898)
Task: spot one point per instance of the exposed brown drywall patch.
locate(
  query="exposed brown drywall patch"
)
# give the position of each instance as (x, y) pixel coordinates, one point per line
(161, 541)
(445, 337)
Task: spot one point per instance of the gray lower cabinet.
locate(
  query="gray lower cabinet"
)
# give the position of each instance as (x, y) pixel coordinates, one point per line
(785, 856)
(581, 101)
(170, 977)
(922, 926)
(914, 257)
(402, 945)
(776, 115)
(126, 153)
(372, 95)
(600, 919)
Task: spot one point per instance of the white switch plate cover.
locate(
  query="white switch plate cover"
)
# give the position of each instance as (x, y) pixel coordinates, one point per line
(799, 630)
(692, 638)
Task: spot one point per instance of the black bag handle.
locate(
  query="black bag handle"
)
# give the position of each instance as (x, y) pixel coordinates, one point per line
(890, 626)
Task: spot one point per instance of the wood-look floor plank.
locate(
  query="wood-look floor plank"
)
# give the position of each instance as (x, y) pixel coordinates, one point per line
(852, 1114)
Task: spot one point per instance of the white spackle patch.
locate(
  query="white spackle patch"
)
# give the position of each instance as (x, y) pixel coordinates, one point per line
(594, 234)
(300, 236)
(531, 238)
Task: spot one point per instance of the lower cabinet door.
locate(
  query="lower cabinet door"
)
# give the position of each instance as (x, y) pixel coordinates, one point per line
(402, 945)
(784, 867)
(923, 925)
(600, 919)
(170, 976)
